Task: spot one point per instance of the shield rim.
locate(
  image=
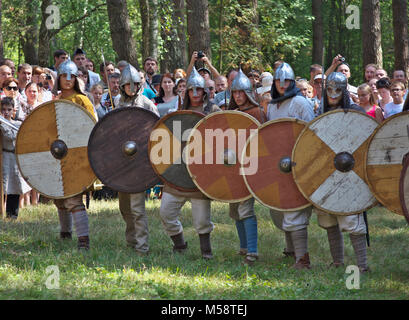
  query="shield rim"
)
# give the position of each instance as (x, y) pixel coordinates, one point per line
(43, 105)
(401, 187)
(366, 181)
(187, 155)
(160, 121)
(384, 123)
(308, 204)
(116, 110)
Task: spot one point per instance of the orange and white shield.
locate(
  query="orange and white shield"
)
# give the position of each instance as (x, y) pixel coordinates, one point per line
(51, 149)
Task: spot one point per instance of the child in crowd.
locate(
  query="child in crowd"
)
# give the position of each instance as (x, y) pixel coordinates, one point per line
(97, 91)
(367, 102)
(13, 183)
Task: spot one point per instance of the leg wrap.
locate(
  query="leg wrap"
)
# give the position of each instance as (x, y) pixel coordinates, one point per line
(241, 231)
(336, 244)
(65, 220)
(300, 241)
(81, 223)
(250, 225)
(289, 246)
(359, 244)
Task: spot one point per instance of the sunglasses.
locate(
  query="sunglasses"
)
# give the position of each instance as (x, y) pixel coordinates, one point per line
(12, 88)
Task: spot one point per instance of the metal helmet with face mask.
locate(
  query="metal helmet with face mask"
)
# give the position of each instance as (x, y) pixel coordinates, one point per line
(69, 68)
(194, 81)
(129, 75)
(336, 84)
(242, 82)
(284, 72)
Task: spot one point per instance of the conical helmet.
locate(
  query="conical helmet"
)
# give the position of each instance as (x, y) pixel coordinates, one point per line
(69, 68)
(337, 83)
(242, 82)
(129, 75)
(194, 81)
(283, 72)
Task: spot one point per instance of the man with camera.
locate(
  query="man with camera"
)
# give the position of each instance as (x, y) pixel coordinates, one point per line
(339, 65)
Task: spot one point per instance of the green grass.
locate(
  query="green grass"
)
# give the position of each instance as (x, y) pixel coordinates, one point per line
(111, 270)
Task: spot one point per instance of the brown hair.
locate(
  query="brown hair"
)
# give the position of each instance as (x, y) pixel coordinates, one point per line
(161, 91)
(8, 81)
(367, 88)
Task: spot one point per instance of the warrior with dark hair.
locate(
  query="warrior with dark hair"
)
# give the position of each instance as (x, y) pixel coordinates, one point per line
(132, 205)
(288, 102)
(173, 199)
(336, 96)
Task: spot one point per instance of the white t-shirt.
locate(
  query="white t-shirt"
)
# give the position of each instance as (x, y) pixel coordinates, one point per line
(391, 109)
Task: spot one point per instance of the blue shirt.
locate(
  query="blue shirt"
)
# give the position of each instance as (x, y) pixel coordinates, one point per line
(147, 92)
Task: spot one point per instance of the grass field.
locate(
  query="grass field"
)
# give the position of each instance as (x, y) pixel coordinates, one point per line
(111, 270)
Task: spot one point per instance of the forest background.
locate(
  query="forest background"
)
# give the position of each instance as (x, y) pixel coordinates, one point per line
(251, 33)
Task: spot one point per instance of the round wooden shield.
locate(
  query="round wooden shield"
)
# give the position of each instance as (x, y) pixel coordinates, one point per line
(167, 141)
(387, 148)
(213, 154)
(118, 150)
(329, 159)
(404, 187)
(51, 149)
(267, 170)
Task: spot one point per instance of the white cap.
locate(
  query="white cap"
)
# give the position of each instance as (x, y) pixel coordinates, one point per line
(319, 76)
(266, 83)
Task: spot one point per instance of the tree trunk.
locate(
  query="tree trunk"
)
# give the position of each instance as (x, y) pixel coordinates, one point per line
(1, 33)
(198, 26)
(371, 32)
(317, 32)
(180, 11)
(400, 33)
(153, 28)
(45, 36)
(144, 10)
(121, 33)
(175, 56)
(30, 40)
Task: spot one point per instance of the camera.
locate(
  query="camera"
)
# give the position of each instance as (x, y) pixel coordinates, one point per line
(342, 59)
(48, 77)
(200, 54)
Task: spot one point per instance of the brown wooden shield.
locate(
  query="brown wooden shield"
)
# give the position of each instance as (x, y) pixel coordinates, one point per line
(118, 150)
(404, 187)
(387, 148)
(272, 183)
(51, 149)
(213, 154)
(167, 141)
(328, 162)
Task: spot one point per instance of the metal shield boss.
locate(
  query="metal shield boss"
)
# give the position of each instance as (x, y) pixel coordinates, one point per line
(387, 149)
(167, 141)
(272, 184)
(51, 149)
(329, 161)
(118, 150)
(213, 154)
